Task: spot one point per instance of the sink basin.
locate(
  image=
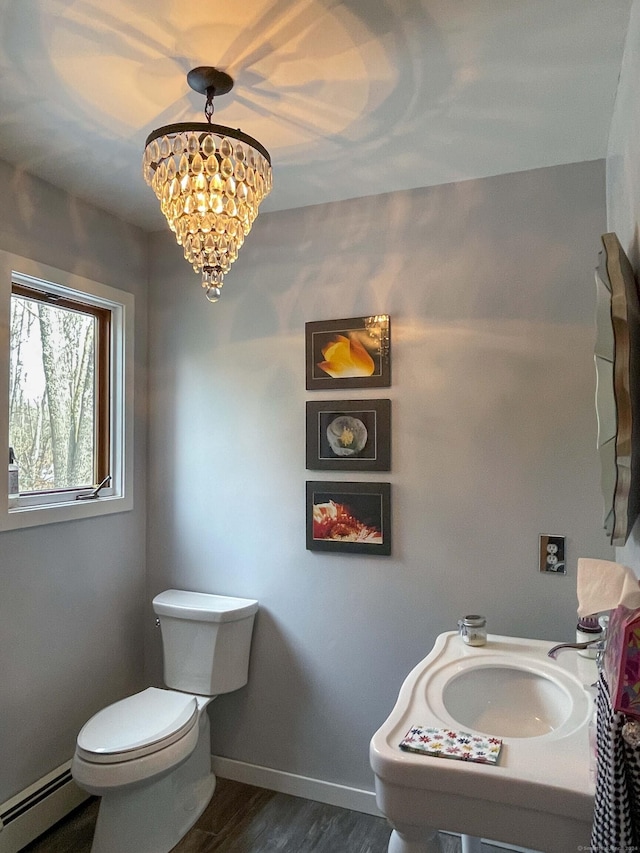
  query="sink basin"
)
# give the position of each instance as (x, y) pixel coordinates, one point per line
(506, 701)
(505, 690)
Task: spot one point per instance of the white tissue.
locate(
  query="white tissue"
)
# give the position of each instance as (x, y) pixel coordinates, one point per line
(603, 585)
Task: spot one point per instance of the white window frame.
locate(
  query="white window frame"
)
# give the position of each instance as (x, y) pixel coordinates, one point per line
(49, 508)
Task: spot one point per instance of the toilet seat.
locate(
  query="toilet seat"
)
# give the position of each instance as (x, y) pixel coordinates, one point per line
(139, 725)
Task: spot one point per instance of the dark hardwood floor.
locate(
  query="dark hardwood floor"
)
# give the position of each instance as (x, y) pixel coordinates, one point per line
(245, 819)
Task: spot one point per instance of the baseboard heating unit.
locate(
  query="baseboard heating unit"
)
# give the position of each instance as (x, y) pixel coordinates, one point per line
(34, 810)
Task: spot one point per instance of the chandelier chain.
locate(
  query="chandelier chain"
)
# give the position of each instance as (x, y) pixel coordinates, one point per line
(208, 107)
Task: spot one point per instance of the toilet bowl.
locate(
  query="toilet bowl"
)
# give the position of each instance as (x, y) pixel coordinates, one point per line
(148, 756)
(139, 738)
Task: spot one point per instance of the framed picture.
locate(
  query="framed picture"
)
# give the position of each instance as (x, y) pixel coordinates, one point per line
(354, 353)
(349, 435)
(349, 518)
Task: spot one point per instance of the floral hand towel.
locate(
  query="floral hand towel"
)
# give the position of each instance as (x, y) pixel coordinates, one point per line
(445, 743)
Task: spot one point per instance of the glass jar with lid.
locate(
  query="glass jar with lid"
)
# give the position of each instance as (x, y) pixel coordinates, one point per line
(473, 630)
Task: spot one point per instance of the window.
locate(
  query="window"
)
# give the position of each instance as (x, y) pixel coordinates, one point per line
(69, 372)
(58, 391)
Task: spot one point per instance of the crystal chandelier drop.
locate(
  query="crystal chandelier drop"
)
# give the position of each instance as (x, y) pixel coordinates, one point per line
(210, 180)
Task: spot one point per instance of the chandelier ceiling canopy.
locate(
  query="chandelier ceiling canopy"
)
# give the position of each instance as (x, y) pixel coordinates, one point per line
(210, 181)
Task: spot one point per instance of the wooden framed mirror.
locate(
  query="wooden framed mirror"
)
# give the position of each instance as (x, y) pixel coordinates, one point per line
(616, 360)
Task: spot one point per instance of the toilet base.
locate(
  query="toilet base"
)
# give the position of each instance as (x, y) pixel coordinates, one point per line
(152, 818)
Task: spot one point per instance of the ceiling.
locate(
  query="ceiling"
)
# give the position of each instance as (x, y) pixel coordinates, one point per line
(351, 98)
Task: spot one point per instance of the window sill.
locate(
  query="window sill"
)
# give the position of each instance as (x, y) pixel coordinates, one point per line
(16, 518)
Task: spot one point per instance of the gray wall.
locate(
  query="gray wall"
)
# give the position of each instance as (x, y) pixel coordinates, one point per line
(71, 594)
(623, 156)
(490, 286)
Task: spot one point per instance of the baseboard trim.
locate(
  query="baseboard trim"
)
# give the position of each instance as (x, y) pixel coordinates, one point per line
(356, 799)
(34, 810)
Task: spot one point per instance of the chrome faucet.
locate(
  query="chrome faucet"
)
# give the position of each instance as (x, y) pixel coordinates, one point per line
(598, 643)
(552, 653)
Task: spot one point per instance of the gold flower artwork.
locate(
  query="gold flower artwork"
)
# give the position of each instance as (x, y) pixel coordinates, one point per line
(345, 357)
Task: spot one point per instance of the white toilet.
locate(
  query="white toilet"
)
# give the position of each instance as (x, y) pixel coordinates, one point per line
(149, 756)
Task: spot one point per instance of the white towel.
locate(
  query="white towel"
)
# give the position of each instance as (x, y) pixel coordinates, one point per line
(603, 585)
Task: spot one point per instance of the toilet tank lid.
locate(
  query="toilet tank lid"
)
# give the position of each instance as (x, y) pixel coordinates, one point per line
(203, 606)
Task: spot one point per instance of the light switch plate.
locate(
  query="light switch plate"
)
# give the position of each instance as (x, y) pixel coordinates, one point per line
(552, 555)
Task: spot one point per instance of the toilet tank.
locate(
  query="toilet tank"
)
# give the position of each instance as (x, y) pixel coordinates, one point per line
(206, 640)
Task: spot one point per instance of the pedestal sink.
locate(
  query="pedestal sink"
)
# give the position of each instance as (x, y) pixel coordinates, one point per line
(539, 795)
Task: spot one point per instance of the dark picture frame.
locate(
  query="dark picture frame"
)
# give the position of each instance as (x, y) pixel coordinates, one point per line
(349, 518)
(349, 435)
(350, 353)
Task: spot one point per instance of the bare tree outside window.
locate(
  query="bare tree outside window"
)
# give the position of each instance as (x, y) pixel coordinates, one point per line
(52, 394)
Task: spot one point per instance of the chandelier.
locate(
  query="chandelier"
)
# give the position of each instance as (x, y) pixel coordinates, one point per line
(210, 180)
